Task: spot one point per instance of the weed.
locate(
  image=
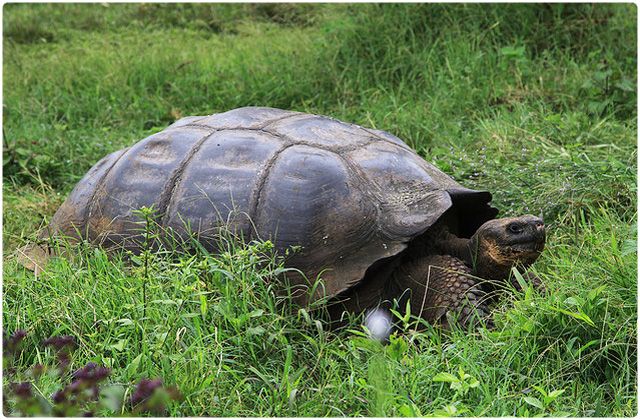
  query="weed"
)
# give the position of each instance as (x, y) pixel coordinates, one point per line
(461, 384)
(544, 404)
(149, 246)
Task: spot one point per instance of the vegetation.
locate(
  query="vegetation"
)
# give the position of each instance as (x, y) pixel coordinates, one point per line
(536, 103)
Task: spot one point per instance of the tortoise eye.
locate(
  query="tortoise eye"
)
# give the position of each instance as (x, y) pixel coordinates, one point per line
(515, 228)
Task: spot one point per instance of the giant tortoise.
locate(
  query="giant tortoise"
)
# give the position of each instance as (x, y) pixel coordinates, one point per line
(372, 220)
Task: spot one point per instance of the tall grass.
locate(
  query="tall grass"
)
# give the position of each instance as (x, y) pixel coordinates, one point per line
(536, 103)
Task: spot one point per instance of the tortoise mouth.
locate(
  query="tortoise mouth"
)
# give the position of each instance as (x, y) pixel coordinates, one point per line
(527, 256)
(525, 253)
(531, 246)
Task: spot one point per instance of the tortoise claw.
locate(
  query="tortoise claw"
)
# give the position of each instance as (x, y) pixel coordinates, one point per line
(475, 315)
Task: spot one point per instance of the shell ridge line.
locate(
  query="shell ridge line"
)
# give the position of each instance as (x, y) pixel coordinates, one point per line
(356, 171)
(256, 197)
(198, 124)
(380, 138)
(290, 114)
(372, 139)
(99, 186)
(330, 149)
(200, 119)
(370, 131)
(166, 196)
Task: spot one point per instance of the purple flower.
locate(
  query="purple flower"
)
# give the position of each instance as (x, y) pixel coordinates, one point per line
(92, 373)
(22, 390)
(37, 370)
(152, 397)
(11, 344)
(19, 335)
(60, 396)
(60, 343)
(145, 390)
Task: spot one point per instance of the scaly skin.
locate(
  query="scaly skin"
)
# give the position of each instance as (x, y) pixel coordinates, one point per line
(443, 288)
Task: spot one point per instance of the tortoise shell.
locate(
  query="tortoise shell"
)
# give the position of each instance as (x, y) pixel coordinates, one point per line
(349, 196)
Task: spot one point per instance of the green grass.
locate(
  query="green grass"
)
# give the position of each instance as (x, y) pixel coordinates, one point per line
(536, 103)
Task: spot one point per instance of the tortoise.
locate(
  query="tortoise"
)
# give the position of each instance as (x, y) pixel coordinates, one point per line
(374, 221)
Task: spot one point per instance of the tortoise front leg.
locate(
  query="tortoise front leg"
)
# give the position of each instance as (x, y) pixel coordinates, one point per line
(442, 288)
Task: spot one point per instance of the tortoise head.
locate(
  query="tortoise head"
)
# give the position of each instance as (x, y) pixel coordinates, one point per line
(503, 243)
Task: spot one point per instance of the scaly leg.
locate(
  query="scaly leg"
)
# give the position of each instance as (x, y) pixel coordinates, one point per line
(442, 287)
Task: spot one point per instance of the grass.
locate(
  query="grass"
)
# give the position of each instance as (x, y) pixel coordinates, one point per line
(536, 103)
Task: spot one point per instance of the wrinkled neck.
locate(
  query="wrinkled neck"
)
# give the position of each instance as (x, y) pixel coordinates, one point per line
(474, 254)
(461, 248)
